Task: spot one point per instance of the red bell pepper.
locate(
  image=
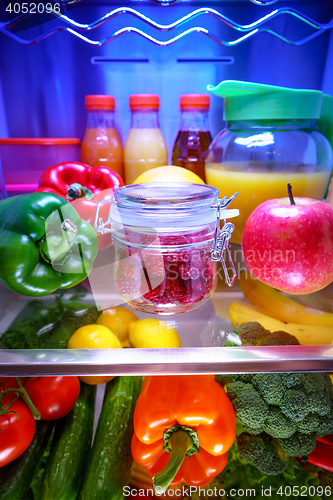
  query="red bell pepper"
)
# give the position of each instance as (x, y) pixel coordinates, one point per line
(322, 455)
(85, 187)
(183, 428)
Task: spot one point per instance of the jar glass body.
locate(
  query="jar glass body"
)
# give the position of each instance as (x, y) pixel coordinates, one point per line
(101, 145)
(145, 146)
(163, 262)
(258, 158)
(192, 142)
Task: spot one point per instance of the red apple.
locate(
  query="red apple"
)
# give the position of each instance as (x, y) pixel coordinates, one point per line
(290, 246)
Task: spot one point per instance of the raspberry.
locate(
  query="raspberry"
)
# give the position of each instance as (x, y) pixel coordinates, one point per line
(178, 277)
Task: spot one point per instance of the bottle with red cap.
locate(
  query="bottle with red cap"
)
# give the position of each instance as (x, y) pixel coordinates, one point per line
(145, 147)
(101, 145)
(193, 139)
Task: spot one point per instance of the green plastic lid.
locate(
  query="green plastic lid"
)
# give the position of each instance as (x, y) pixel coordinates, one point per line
(257, 101)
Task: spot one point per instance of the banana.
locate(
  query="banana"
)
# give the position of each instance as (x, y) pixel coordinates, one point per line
(273, 303)
(242, 312)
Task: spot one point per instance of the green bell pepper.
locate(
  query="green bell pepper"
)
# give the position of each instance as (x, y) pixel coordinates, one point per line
(44, 245)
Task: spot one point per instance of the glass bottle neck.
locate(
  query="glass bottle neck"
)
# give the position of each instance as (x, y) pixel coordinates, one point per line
(282, 125)
(194, 119)
(101, 119)
(147, 118)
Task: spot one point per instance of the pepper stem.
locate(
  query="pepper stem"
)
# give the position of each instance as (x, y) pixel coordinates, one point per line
(180, 442)
(76, 191)
(290, 194)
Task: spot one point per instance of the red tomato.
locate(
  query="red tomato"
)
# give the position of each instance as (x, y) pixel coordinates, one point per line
(53, 397)
(9, 383)
(17, 432)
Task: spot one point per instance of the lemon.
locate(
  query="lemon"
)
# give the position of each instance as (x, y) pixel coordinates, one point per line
(118, 320)
(150, 333)
(169, 173)
(94, 337)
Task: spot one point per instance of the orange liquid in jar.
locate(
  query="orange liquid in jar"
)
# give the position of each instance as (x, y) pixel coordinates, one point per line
(145, 148)
(190, 151)
(255, 187)
(102, 147)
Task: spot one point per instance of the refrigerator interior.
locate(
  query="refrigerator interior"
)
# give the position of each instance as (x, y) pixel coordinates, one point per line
(49, 64)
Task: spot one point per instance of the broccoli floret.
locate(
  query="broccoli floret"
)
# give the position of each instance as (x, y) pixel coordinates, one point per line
(293, 380)
(292, 407)
(299, 445)
(251, 333)
(226, 378)
(249, 406)
(278, 425)
(246, 378)
(279, 338)
(263, 452)
(309, 424)
(295, 405)
(270, 387)
(318, 387)
(325, 426)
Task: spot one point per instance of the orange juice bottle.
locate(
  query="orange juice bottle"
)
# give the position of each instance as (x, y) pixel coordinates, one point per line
(145, 147)
(101, 145)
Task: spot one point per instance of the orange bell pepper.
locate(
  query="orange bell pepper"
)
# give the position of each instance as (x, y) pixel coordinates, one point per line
(183, 427)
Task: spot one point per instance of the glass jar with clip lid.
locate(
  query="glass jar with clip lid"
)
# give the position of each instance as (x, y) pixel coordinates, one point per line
(167, 240)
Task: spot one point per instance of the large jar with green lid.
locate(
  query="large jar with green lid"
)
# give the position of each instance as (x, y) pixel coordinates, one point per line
(273, 136)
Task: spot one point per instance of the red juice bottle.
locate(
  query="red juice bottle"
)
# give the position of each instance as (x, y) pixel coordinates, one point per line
(193, 139)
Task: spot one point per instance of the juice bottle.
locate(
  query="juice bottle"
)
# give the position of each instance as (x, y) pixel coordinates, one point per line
(101, 145)
(145, 147)
(193, 139)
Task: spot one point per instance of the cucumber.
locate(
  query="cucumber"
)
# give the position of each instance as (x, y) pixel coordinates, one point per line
(16, 477)
(76, 315)
(70, 448)
(29, 495)
(110, 462)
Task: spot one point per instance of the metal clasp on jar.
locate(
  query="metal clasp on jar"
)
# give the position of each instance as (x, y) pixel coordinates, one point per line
(99, 224)
(221, 241)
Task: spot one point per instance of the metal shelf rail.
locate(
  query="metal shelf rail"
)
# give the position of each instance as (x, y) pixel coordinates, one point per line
(194, 360)
(73, 27)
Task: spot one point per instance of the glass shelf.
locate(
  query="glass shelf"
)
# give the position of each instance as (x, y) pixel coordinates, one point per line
(203, 333)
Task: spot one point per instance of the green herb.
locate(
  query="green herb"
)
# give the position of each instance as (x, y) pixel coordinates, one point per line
(34, 331)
